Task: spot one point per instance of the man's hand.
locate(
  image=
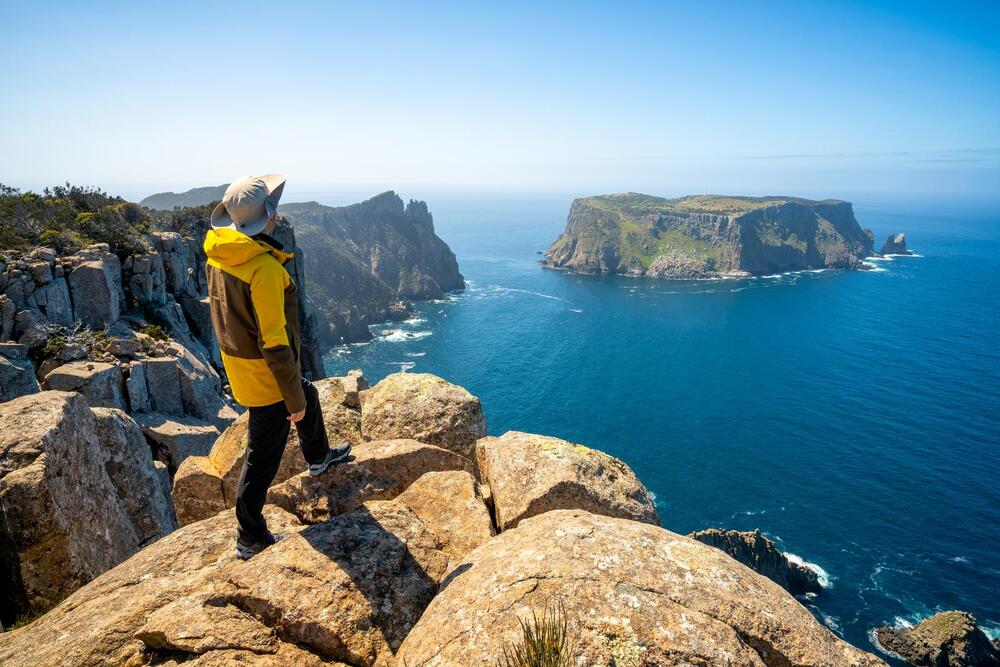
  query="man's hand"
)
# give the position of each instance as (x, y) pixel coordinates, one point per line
(297, 416)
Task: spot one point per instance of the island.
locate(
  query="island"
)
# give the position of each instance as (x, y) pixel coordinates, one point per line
(708, 236)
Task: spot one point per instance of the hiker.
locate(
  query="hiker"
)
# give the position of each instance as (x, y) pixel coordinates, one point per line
(254, 309)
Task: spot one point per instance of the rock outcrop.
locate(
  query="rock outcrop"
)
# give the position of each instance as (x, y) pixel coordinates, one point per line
(392, 558)
(346, 589)
(532, 474)
(895, 244)
(17, 375)
(947, 639)
(205, 484)
(707, 236)
(633, 593)
(379, 470)
(78, 494)
(365, 261)
(762, 556)
(423, 407)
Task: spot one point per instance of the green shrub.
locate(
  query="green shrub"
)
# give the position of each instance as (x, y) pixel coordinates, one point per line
(70, 217)
(54, 347)
(545, 641)
(155, 332)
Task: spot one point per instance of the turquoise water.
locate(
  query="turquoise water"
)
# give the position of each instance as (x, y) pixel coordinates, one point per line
(853, 417)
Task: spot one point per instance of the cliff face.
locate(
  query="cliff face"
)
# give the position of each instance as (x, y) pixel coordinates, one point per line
(707, 236)
(366, 260)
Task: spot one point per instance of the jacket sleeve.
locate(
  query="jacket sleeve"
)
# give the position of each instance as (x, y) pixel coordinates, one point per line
(267, 291)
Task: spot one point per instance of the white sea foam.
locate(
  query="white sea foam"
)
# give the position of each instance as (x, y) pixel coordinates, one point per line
(502, 289)
(821, 574)
(991, 631)
(404, 365)
(576, 310)
(400, 336)
(873, 638)
(831, 622)
(873, 268)
(414, 321)
(415, 354)
(959, 559)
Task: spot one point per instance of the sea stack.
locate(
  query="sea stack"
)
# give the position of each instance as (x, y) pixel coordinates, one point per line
(895, 244)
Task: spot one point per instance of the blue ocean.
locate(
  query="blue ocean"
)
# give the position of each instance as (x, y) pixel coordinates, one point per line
(854, 417)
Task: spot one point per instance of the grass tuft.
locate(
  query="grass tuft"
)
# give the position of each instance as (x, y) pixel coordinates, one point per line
(545, 641)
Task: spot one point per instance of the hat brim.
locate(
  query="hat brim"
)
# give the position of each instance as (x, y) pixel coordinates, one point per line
(221, 219)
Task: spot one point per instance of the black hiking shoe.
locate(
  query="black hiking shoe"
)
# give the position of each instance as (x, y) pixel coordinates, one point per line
(248, 551)
(333, 455)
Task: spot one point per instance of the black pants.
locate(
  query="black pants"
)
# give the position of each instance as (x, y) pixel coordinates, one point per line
(267, 433)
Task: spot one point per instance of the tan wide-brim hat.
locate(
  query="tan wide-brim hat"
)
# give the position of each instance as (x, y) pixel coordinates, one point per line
(249, 203)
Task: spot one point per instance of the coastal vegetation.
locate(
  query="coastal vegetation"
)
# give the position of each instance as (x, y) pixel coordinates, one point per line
(70, 217)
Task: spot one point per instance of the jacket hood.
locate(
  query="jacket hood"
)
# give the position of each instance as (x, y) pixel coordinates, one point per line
(232, 248)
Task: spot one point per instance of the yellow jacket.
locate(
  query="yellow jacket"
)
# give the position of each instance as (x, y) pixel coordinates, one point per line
(254, 309)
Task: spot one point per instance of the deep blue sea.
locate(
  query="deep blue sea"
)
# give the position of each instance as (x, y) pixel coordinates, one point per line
(854, 417)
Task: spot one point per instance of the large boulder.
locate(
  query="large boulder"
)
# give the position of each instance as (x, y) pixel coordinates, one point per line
(201, 388)
(53, 299)
(206, 485)
(7, 312)
(762, 556)
(450, 504)
(17, 375)
(423, 407)
(63, 518)
(129, 464)
(947, 639)
(632, 593)
(100, 623)
(175, 438)
(101, 383)
(346, 589)
(94, 291)
(379, 470)
(163, 384)
(531, 474)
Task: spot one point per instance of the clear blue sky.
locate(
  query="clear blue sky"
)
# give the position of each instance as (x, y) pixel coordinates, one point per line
(798, 97)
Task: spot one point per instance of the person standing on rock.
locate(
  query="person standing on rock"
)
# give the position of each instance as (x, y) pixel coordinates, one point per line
(254, 309)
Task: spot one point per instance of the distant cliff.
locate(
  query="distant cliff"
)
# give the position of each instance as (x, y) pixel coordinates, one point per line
(365, 261)
(707, 236)
(168, 201)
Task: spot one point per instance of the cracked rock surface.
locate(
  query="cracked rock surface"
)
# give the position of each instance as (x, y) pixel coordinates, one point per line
(635, 594)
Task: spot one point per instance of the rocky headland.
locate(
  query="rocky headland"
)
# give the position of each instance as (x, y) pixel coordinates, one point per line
(947, 639)
(762, 556)
(895, 244)
(706, 236)
(170, 201)
(366, 261)
(430, 547)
